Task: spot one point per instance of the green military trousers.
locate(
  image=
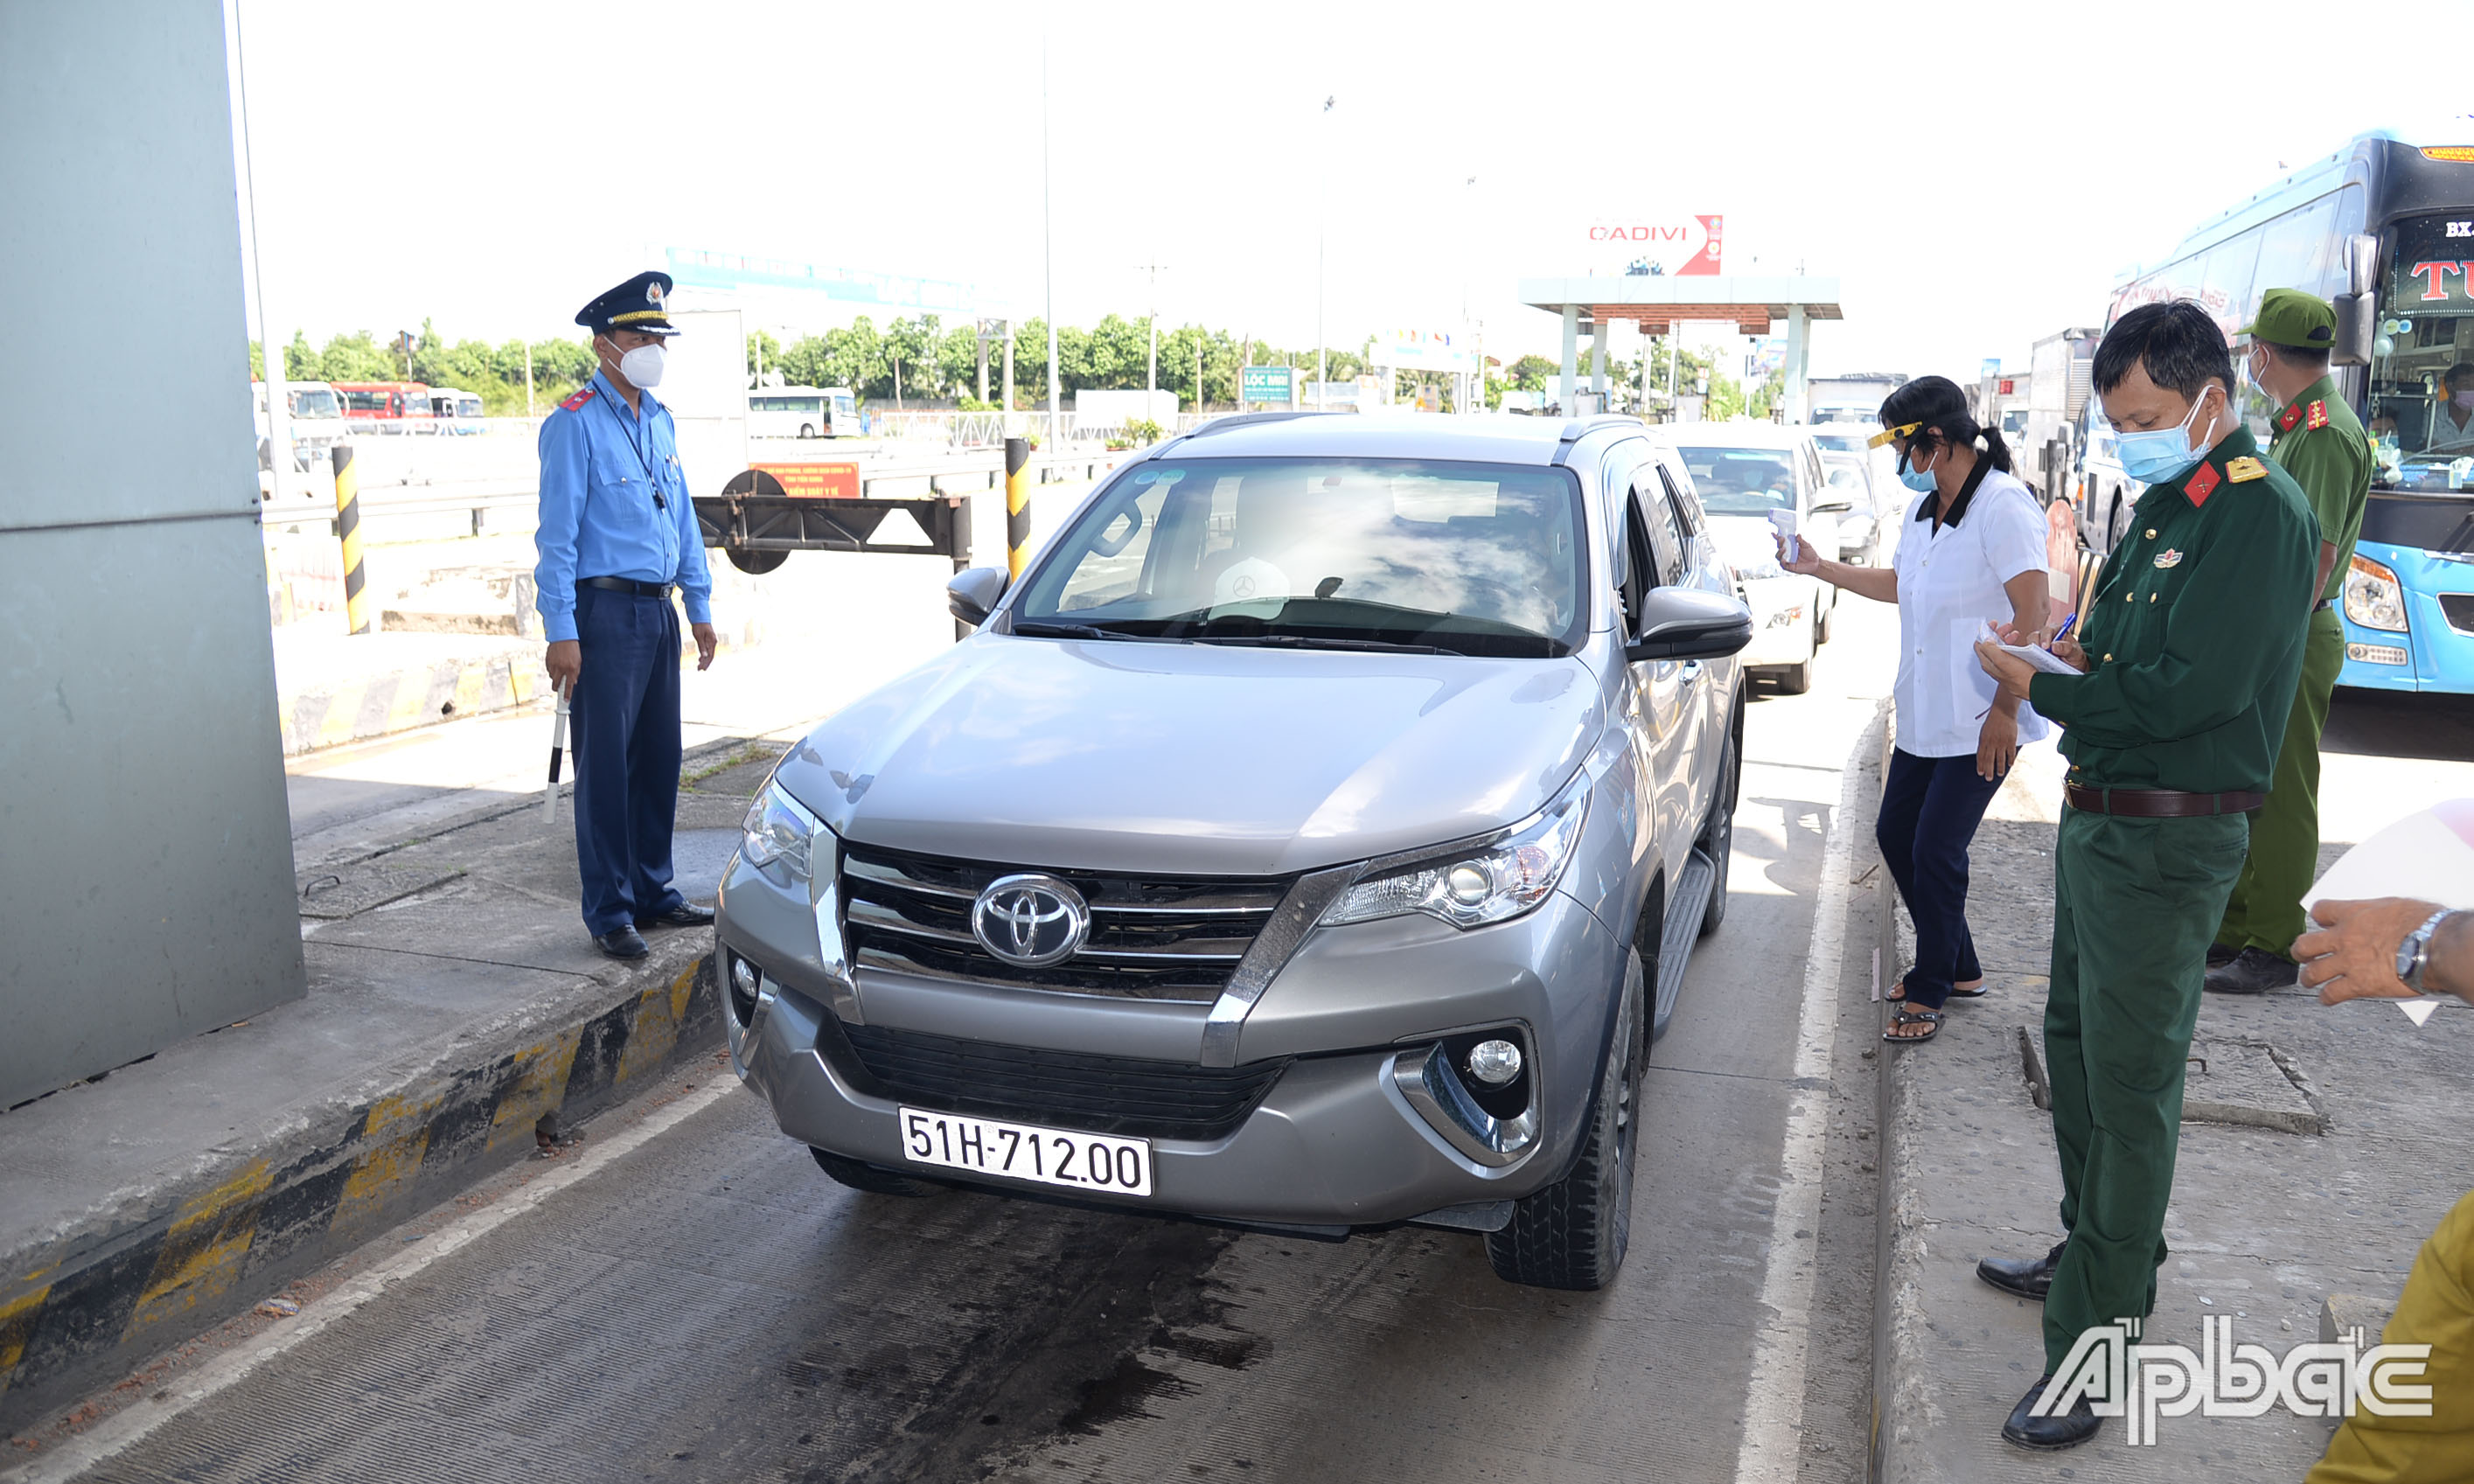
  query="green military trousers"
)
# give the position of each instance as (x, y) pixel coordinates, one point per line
(2134, 903)
(2265, 910)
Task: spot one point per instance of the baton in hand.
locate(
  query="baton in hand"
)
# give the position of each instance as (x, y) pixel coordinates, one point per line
(557, 745)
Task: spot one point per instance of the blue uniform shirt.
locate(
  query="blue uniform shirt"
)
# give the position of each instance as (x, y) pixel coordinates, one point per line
(600, 465)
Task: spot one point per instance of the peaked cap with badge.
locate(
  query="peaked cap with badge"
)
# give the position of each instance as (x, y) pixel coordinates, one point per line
(640, 303)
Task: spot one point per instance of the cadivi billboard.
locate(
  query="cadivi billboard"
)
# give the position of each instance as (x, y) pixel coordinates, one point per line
(1683, 245)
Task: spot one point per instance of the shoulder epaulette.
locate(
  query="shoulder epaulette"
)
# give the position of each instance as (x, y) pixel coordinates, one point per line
(583, 394)
(2316, 415)
(2242, 470)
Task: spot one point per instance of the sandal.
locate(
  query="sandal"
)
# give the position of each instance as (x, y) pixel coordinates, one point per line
(1962, 992)
(1912, 1017)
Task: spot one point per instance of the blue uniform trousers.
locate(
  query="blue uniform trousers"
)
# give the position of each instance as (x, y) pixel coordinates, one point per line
(1929, 809)
(624, 722)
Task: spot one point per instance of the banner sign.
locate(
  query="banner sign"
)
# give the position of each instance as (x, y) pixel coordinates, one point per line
(1267, 383)
(1685, 246)
(816, 481)
(1423, 349)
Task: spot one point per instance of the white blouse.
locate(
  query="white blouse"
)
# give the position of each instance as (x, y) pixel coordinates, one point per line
(1949, 581)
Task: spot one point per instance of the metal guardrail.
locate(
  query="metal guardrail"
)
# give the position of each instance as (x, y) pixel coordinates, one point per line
(968, 475)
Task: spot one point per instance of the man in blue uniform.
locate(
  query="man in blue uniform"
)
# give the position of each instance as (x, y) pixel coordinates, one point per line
(617, 532)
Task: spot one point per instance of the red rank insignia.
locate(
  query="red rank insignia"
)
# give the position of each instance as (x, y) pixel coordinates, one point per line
(2202, 483)
(2286, 420)
(2317, 416)
(583, 394)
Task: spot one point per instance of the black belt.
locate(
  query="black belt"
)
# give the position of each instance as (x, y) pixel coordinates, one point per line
(2160, 803)
(2323, 605)
(626, 585)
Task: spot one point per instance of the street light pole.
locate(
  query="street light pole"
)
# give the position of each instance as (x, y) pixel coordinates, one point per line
(1322, 232)
(1048, 249)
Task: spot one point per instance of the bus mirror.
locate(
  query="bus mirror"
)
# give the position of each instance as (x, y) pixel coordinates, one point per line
(2361, 263)
(2354, 322)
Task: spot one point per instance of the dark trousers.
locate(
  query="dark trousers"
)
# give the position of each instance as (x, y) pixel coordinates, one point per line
(624, 722)
(1929, 809)
(2135, 902)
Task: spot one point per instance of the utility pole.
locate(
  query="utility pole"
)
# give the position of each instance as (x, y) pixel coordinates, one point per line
(270, 349)
(1151, 321)
(1048, 246)
(1322, 232)
(528, 378)
(1198, 371)
(1009, 372)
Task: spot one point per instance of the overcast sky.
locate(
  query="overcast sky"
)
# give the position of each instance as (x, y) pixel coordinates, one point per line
(1972, 175)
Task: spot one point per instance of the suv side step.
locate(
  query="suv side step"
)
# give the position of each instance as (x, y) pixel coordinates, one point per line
(1682, 930)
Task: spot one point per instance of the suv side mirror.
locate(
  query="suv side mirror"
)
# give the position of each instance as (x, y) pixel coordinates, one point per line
(1687, 623)
(972, 596)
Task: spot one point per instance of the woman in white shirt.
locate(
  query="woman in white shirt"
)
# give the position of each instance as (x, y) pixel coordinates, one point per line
(1971, 550)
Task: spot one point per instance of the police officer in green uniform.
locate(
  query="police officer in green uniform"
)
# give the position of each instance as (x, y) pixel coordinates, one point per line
(2189, 652)
(2320, 443)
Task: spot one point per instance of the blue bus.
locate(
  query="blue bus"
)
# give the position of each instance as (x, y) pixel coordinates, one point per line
(2383, 229)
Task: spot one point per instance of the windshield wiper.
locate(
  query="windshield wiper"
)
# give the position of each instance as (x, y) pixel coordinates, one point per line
(1304, 641)
(1035, 628)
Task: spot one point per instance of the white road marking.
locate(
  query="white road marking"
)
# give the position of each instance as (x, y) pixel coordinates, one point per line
(130, 1425)
(1771, 1451)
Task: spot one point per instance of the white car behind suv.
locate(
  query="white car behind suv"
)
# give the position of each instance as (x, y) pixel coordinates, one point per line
(1742, 471)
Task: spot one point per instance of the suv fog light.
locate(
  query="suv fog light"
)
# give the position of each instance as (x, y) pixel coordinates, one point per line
(1495, 1062)
(745, 984)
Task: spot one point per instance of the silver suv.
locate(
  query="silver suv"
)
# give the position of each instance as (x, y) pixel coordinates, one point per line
(1312, 839)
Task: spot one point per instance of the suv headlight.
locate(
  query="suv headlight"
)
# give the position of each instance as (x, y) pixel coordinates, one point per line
(1489, 884)
(2374, 599)
(779, 835)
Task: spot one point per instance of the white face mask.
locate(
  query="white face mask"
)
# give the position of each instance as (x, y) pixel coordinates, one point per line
(642, 366)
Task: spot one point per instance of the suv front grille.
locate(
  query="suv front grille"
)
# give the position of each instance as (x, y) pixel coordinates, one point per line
(1120, 1095)
(1153, 937)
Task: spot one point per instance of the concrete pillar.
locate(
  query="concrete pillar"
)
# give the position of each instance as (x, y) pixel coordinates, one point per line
(145, 842)
(1571, 359)
(1799, 355)
(1598, 359)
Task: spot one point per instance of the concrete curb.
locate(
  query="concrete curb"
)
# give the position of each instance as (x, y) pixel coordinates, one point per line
(420, 695)
(254, 1218)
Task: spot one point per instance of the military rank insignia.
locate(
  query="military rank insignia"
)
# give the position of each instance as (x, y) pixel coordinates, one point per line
(2316, 415)
(2289, 420)
(2243, 469)
(2202, 483)
(2169, 559)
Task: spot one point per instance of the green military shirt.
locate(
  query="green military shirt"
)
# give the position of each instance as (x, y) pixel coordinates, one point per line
(2321, 444)
(2194, 633)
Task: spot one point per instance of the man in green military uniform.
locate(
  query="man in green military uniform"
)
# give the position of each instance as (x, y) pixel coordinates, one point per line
(2187, 660)
(2320, 442)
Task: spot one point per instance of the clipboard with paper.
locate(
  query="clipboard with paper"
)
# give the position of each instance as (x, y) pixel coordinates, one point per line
(2041, 658)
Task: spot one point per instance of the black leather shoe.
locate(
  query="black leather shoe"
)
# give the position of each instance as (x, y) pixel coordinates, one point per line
(687, 914)
(2023, 1278)
(2252, 971)
(2049, 1434)
(2218, 955)
(622, 944)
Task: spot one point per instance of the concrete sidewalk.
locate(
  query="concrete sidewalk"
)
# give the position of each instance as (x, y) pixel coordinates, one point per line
(457, 1015)
(2271, 1224)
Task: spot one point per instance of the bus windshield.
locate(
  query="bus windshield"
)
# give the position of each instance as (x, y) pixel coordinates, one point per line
(2422, 375)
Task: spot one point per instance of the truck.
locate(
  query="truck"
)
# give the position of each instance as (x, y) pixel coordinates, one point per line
(1850, 399)
(2058, 371)
(314, 418)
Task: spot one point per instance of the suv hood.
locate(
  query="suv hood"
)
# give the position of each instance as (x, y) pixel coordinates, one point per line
(1194, 758)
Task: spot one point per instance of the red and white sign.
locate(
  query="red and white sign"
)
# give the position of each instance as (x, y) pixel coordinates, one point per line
(1679, 245)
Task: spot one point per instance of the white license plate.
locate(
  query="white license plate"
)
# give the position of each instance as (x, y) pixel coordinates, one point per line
(1018, 1151)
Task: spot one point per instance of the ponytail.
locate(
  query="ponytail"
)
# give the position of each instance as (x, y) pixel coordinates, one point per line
(1995, 449)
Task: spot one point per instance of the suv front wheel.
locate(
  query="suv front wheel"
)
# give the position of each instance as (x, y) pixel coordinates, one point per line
(1572, 1234)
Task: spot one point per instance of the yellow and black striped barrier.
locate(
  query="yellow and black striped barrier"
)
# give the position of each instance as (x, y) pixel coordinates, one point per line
(348, 529)
(1017, 505)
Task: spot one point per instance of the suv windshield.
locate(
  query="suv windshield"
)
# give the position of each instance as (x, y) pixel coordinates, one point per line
(1742, 481)
(1345, 552)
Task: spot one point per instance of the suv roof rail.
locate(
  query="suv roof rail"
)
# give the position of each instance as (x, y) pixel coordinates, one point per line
(1232, 420)
(1577, 428)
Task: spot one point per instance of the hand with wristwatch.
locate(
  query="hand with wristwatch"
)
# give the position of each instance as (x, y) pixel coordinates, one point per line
(2391, 947)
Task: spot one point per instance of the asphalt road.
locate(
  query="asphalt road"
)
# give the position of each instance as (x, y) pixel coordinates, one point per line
(705, 1306)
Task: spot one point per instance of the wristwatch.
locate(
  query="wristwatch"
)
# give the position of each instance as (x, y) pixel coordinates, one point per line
(2414, 955)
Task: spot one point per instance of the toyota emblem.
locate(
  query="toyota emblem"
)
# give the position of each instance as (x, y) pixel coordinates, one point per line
(1031, 920)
